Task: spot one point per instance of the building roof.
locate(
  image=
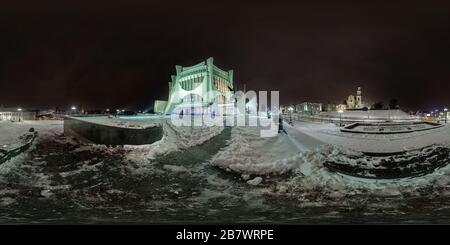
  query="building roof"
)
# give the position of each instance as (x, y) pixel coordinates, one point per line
(8, 109)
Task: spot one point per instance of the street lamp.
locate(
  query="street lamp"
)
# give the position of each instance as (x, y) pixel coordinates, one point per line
(20, 114)
(446, 114)
(73, 108)
(340, 117)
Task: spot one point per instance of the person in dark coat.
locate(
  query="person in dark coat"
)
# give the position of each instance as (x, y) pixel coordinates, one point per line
(280, 124)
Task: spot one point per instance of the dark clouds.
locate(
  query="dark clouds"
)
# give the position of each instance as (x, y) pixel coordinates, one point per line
(103, 54)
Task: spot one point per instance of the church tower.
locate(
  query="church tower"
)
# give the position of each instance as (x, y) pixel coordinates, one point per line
(358, 103)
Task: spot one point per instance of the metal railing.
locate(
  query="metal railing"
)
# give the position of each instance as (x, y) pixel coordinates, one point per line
(8, 154)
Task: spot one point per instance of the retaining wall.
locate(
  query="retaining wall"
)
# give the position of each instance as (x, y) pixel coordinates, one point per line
(110, 135)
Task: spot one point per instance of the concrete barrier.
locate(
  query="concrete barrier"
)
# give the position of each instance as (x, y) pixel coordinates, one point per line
(110, 135)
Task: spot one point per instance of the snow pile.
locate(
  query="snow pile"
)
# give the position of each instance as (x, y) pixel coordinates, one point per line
(313, 181)
(192, 136)
(250, 154)
(255, 181)
(175, 168)
(174, 139)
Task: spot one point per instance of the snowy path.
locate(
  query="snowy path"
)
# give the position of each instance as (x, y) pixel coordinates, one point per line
(302, 141)
(248, 153)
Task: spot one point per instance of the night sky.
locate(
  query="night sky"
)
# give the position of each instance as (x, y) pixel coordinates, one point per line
(108, 54)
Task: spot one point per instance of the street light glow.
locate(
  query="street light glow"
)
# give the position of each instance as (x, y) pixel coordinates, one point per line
(19, 109)
(73, 108)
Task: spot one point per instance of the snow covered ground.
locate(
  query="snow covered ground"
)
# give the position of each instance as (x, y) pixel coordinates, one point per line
(249, 153)
(307, 180)
(338, 187)
(371, 114)
(283, 176)
(10, 132)
(174, 138)
(374, 143)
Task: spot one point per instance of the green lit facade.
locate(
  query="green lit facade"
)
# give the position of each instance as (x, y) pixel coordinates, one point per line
(200, 89)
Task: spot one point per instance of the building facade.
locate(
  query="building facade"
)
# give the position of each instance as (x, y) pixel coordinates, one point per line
(308, 108)
(12, 114)
(355, 102)
(160, 106)
(200, 89)
(329, 107)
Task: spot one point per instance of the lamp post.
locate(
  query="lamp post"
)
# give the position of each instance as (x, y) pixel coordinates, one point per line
(20, 114)
(340, 117)
(389, 112)
(445, 114)
(73, 108)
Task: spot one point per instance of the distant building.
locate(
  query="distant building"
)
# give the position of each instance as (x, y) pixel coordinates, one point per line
(355, 102)
(16, 114)
(329, 107)
(341, 107)
(308, 108)
(160, 106)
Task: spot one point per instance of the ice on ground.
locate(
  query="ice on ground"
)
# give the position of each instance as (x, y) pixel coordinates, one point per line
(175, 168)
(255, 181)
(5, 201)
(46, 193)
(84, 168)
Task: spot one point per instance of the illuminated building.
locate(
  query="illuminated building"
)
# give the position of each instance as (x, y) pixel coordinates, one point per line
(159, 106)
(308, 108)
(200, 89)
(16, 114)
(355, 102)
